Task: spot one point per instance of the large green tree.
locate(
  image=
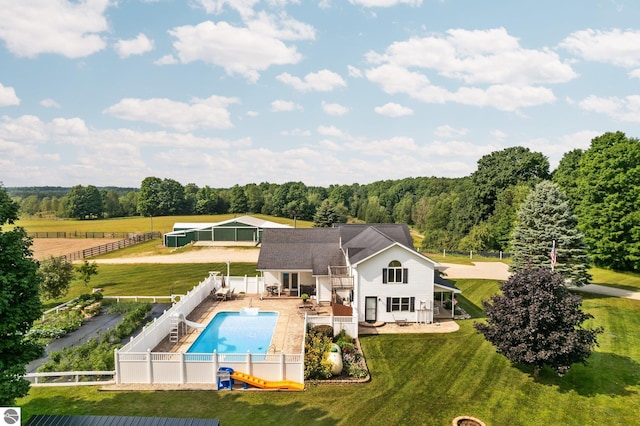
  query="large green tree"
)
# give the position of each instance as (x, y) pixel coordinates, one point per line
(85, 202)
(56, 276)
(502, 169)
(566, 176)
(609, 209)
(20, 304)
(161, 197)
(545, 217)
(537, 321)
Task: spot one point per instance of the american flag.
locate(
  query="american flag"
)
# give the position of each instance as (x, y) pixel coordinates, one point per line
(554, 254)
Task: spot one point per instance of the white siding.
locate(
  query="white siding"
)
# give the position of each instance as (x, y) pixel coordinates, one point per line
(370, 284)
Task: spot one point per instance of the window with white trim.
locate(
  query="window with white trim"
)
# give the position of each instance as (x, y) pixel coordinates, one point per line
(401, 304)
(395, 273)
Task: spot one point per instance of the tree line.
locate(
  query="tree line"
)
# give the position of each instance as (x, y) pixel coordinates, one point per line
(476, 212)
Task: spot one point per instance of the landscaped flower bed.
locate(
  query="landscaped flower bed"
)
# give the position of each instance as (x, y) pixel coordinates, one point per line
(317, 365)
(68, 319)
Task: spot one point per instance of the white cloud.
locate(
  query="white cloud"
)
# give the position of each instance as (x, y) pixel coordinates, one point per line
(49, 103)
(27, 129)
(281, 27)
(253, 113)
(394, 79)
(237, 50)
(354, 72)
(385, 3)
(623, 109)
(32, 27)
(449, 132)
(621, 48)
(334, 109)
(383, 147)
(330, 145)
(166, 60)
(137, 46)
(210, 112)
(69, 127)
(331, 131)
(481, 56)
(284, 106)
(456, 149)
(321, 81)
(296, 132)
(498, 134)
(243, 7)
(504, 97)
(8, 96)
(392, 109)
(492, 61)
(635, 73)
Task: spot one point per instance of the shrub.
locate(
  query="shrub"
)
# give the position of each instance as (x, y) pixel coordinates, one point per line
(316, 363)
(325, 330)
(342, 337)
(354, 365)
(97, 353)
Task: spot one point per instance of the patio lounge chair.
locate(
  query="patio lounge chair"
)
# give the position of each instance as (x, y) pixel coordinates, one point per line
(400, 321)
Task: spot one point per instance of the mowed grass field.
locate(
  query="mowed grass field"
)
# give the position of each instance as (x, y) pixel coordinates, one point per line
(422, 379)
(161, 224)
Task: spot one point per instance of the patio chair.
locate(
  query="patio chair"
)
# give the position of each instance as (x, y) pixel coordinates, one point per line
(400, 321)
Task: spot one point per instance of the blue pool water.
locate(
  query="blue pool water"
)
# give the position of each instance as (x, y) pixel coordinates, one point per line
(237, 333)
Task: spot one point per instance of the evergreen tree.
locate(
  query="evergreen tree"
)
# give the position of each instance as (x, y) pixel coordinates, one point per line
(545, 217)
(20, 304)
(537, 321)
(238, 201)
(328, 214)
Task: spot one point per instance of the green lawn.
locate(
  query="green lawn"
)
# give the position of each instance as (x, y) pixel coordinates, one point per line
(463, 260)
(416, 379)
(151, 279)
(625, 280)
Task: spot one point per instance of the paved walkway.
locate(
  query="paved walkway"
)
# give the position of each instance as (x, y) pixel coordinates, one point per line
(500, 271)
(609, 291)
(89, 329)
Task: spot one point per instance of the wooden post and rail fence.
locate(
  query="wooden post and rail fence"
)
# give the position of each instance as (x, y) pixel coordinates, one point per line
(129, 239)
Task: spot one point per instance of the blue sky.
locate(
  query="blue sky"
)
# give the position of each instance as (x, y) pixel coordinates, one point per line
(225, 92)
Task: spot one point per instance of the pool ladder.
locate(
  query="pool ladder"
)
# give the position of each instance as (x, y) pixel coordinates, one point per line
(174, 333)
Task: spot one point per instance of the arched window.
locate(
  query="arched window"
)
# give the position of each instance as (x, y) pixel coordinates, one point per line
(395, 273)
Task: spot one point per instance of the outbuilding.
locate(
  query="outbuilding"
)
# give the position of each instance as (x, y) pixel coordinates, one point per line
(247, 229)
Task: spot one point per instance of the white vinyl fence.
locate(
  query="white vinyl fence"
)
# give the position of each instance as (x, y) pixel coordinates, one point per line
(348, 324)
(135, 363)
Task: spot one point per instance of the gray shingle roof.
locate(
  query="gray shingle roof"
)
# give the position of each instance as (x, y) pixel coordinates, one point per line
(444, 283)
(362, 241)
(316, 249)
(311, 249)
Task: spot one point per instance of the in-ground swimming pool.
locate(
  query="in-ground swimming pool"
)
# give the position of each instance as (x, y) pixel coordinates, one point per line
(237, 333)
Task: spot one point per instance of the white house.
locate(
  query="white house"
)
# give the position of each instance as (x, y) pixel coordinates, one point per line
(373, 269)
